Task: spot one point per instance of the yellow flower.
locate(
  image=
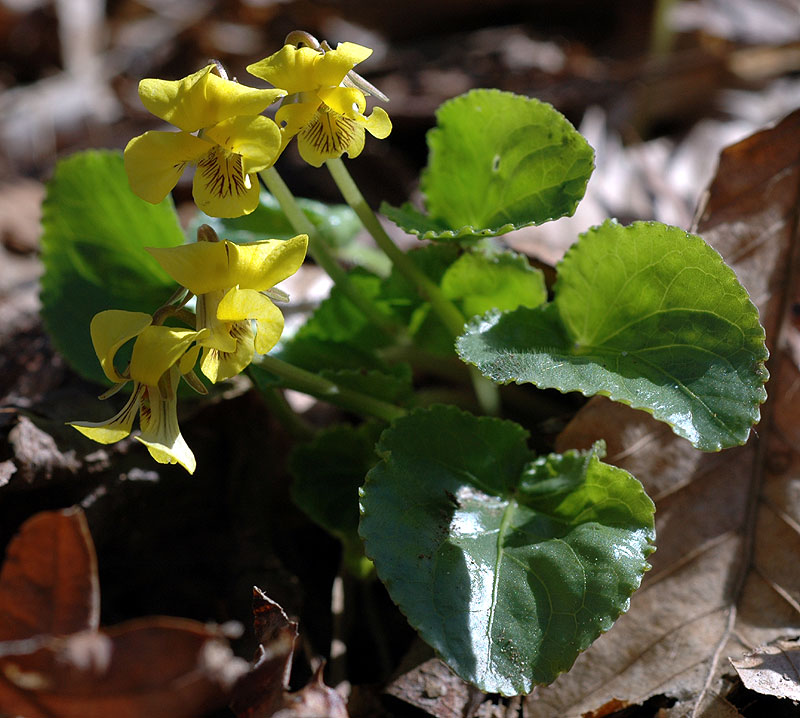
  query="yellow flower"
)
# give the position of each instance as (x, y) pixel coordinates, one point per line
(160, 356)
(233, 283)
(322, 108)
(232, 143)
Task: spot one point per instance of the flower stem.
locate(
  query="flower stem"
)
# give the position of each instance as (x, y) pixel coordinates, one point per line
(315, 385)
(321, 252)
(486, 391)
(447, 312)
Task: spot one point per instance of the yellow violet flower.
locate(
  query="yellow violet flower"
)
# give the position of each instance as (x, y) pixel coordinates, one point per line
(160, 356)
(322, 108)
(233, 283)
(232, 141)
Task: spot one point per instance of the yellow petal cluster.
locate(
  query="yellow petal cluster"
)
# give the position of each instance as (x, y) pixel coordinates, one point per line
(326, 115)
(161, 355)
(221, 132)
(231, 282)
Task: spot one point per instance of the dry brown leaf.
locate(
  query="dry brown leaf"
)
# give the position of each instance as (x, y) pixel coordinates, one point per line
(315, 700)
(48, 584)
(263, 692)
(725, 576)
(773, 670)
(260, 692)
(147, 668)
(55, 662)
(432, 687)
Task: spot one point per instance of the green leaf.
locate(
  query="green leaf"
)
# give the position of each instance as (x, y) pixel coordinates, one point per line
(504, 281)
(327, 473)
(337, 222)
(402, 297)
(95, 231)
(338, 319)
(647, 315)
(498, 161)
(508, 565)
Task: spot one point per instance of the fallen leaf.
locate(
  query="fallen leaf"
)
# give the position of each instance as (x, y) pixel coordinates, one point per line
(724, 577)
(773, 670)
(263, 692)
(434, 688)
(48, 583)
(260, 692)
(315, 700)
(55, 662)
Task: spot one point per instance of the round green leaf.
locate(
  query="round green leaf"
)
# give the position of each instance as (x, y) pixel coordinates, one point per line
(498, 162)
(95, 232)
(647, 315)
(507, 565)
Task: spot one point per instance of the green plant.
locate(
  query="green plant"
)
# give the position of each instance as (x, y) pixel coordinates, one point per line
(507, 562)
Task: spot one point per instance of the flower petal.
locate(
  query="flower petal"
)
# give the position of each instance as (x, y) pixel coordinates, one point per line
(159, 421)
(189, 359)
(219, 332)
(201, 267)
(344, 100)
(218, 365)
(110, 330)
(257, 139)
(248, 303)
(118, 426)
(155, 161)
(156, 350)
(205, 267)
(378, 123)
(329, 135)
(294, 116)
(221, 189)
(202, 99)
(261, 265)
(335, 64)
(291, 69)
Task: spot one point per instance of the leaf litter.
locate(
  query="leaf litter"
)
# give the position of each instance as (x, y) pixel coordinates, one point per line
(55, 660)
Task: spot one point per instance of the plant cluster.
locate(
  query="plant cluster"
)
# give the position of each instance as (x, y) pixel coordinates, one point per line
(508, 563)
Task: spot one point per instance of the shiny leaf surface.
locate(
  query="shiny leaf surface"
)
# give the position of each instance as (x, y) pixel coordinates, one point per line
(647, 315)
(508, 565)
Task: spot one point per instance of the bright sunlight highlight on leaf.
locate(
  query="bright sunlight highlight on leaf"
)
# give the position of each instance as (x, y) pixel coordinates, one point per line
(508, 565)
(647, 315)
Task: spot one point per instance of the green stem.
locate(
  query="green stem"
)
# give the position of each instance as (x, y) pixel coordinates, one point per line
(321, 252)
(447, 312)
(485, 390)
(315, 385)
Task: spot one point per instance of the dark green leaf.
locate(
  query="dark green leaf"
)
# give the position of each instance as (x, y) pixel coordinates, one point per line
(508, 565)
(498, 161)
(647, 315)
(95, 232)
(327, 473)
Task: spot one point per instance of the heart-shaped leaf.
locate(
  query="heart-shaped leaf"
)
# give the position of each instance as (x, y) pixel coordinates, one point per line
(647, 315)
(498, 162)
(508, 565)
